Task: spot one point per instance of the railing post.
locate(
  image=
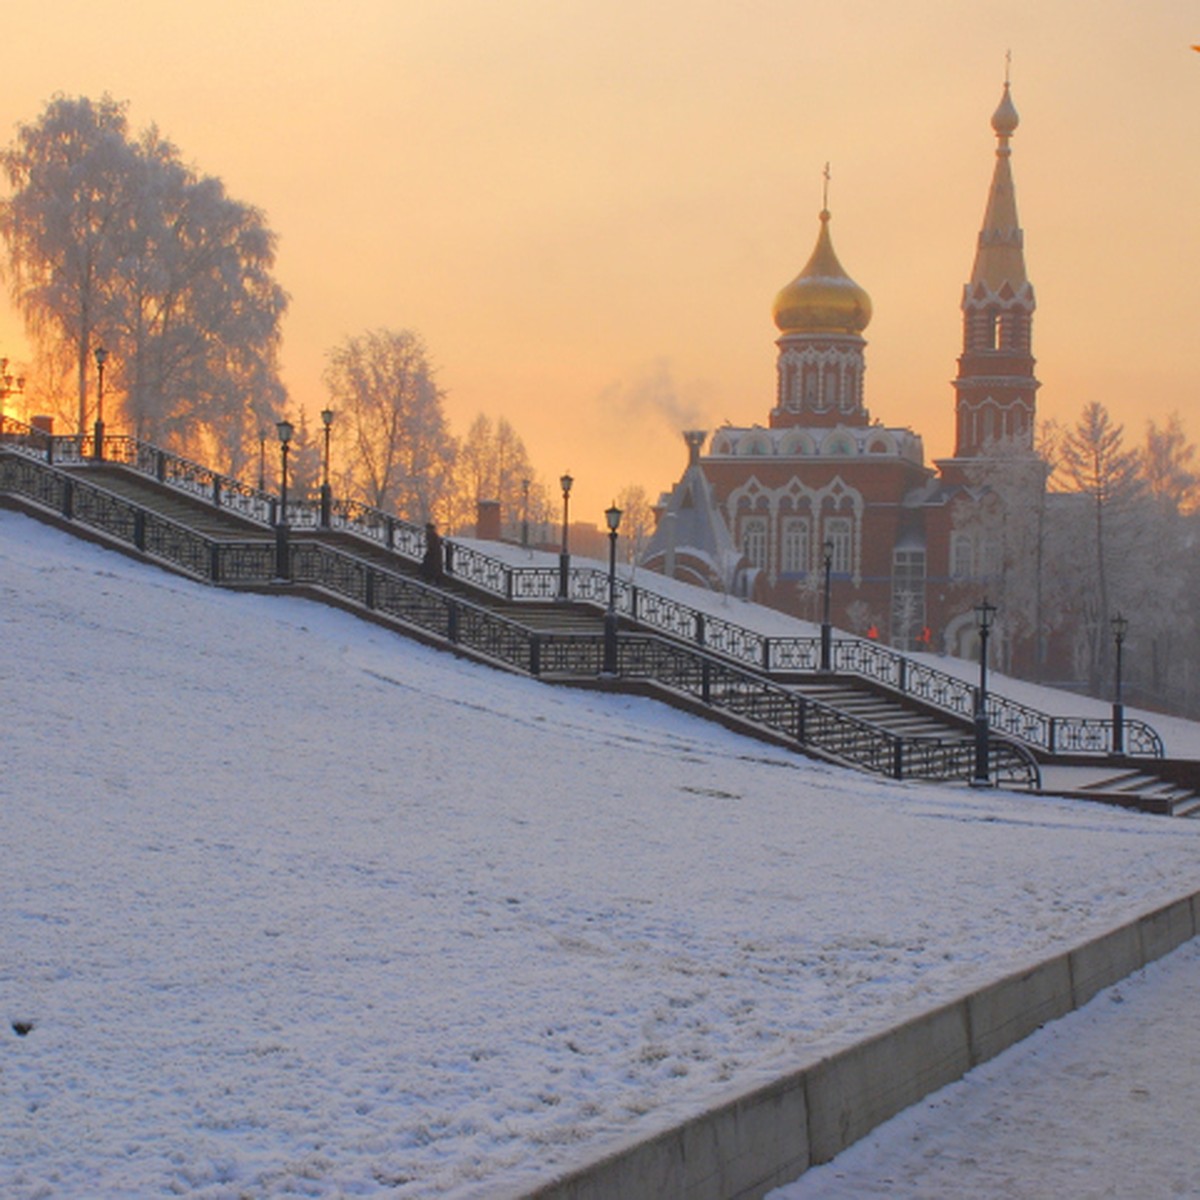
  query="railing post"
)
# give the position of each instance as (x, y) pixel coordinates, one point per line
(633, 602)
(216, 491)
(535, 654)
(49, 450)
(508, 583)
(898, 758)
(801, 719)
(706, 681)
(452, 621)
(766, 660)
(699, 629)
(160, 471)
(903, 675)
(1052, 736)
(449, 567)
(214, 562)
(391, 533)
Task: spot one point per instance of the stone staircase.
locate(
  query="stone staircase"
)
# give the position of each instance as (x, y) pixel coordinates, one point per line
(1134, 783)
(1122, 784)
(899, 714)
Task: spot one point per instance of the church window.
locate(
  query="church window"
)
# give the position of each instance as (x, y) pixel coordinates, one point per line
(794, 545)
(754, 540)
(991, 331)
(908, 598)
(833, 387)
(840, 531)
(962, 556)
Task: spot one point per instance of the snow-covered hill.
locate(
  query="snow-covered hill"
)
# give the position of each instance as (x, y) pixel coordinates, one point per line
(296, 906)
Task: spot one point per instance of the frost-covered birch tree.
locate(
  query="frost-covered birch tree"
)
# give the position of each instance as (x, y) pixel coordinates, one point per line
(114, 240)
(70, 173)
(398, 452)
(493, 464)
(1005, 517)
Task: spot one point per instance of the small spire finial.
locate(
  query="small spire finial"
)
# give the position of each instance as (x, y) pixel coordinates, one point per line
(825, 190)
(1007, 67)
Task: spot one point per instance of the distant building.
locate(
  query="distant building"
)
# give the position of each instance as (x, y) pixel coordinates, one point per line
(760, 512)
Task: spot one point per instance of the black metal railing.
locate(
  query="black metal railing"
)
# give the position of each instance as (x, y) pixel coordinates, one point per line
(669, 667)
(857, 657)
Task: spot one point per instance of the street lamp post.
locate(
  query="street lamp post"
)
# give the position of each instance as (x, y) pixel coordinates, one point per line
(564, 558)
(612, 515)
(285, 430)
(984, 614)
(8, 387)
(826, 626)
(1120, 625)
(98, 430)
(327, 416)
(524, 514)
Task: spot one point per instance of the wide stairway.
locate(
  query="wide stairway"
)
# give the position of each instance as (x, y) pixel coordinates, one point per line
(874, 709)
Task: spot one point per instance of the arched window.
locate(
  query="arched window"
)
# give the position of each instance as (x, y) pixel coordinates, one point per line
(840, 531)
(962, 556)
(793, 549)
(754, 540)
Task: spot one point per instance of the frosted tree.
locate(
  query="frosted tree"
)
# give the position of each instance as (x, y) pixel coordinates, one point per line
(199, 317)
(70, 174)
(116, 241)
(1170, 468)
(1096, 465)
(637, 520)
(398, 451)
(1164, 623)
(1004, 518)
(493, 464)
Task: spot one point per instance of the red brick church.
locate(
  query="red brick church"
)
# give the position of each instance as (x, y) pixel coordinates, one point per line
(760, 511)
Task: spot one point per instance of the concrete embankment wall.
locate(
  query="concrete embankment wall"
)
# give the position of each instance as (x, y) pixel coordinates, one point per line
(742, 1148)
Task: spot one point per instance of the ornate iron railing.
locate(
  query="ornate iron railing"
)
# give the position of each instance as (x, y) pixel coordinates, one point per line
(857, 657)
(742, 696)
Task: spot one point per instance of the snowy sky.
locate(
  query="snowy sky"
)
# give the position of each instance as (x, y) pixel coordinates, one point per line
(569, 198)
(295, 905)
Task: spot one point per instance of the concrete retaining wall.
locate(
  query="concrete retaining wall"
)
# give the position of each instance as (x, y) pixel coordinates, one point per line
(742, 1148)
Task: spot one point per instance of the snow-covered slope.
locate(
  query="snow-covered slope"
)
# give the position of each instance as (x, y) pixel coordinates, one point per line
(295, 906)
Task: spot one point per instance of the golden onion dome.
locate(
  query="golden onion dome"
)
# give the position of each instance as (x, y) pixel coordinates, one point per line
(822, 298)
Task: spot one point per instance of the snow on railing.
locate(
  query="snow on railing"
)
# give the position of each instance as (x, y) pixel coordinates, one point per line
(859, 657)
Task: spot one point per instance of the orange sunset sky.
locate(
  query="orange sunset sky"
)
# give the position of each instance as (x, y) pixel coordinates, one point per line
(587, 209)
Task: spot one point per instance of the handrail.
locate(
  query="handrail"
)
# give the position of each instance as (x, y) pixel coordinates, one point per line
(854, 656)
(745, 697)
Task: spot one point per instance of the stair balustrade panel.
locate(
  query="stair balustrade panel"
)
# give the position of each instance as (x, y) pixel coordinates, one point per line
(177, 544)
(578, 655)
(245, 562)
(481, 570)
(659, 612)
(799, 655)
(940, 690)
(321, 566)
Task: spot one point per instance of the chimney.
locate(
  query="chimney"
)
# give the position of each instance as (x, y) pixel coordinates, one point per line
(695, 443)
(487, 520)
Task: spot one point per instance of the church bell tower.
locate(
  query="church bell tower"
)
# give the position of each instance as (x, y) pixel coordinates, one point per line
(995, 386)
